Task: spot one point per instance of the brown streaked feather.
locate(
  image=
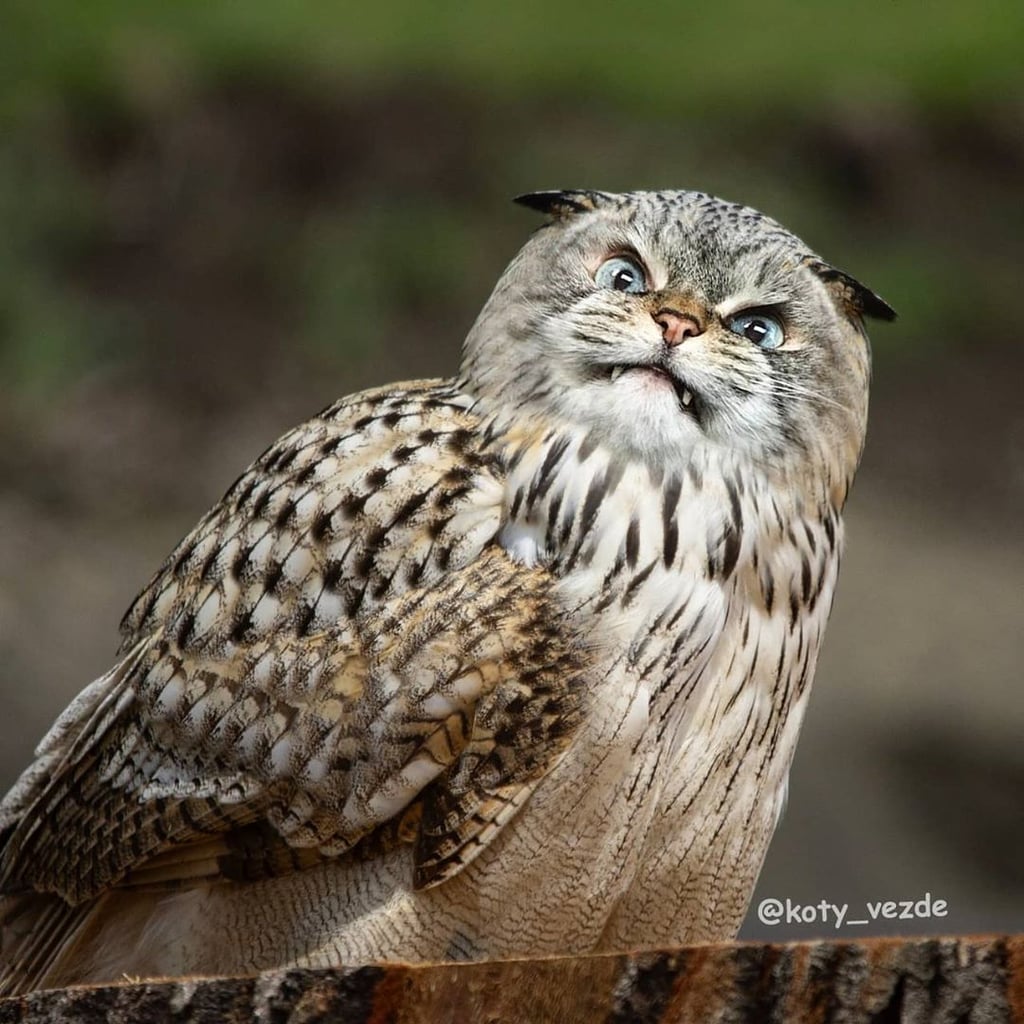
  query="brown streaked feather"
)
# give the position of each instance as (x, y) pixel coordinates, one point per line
(520, 731)
(34, 929)
(246, 854)
(459, 827)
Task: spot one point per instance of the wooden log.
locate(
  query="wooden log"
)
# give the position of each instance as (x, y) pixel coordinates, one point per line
(954, 980)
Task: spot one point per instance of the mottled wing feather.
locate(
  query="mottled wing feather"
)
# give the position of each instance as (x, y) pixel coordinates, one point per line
(91, 711)
(112, 800)
(519, 731)
(384, 491)
(338, 649)
(246, 854)
(37, 805)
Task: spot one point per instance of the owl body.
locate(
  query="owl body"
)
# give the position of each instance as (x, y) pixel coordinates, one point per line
(510, 664)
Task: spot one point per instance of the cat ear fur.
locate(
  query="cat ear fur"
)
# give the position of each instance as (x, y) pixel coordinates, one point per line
(562, 203)
(855, 298)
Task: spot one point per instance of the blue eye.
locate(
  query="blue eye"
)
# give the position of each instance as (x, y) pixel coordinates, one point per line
(760, 328)
(621, 274)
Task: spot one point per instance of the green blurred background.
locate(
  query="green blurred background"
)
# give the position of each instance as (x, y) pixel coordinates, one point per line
(217, 217)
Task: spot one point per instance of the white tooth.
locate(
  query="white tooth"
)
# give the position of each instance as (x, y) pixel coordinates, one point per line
(687, 396)
(617, 372)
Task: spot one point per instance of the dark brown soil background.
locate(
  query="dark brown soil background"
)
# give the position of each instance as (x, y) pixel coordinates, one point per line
(237, 261)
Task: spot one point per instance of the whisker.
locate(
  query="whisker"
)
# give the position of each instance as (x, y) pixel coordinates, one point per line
(797, 391)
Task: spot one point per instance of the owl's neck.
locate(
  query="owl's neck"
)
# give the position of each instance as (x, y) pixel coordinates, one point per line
(584, 503)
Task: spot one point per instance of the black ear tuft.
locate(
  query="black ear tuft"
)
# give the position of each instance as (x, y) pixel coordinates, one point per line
(561, 203)
(858, 299)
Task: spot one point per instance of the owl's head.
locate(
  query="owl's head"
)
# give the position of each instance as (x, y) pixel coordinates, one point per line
(664, 321)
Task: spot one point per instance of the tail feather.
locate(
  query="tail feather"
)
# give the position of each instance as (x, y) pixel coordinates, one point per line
(34, 929)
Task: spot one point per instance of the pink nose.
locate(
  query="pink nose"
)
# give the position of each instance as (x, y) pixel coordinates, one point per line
(676, 327)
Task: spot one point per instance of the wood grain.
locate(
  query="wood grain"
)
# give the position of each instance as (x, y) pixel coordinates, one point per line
(972, 980)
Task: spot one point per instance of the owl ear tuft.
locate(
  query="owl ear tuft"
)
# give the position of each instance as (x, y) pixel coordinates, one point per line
(855, 297)
(561, 203)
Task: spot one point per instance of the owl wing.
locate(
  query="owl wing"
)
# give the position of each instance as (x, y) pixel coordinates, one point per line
(338, 656)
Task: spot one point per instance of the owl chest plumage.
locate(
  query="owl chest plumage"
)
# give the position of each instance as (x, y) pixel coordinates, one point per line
(666, 569)
(706, 600)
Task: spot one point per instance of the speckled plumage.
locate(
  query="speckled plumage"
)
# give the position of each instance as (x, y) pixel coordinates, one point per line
(507, 664)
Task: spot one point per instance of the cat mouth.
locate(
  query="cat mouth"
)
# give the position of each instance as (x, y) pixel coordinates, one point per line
(689, 402)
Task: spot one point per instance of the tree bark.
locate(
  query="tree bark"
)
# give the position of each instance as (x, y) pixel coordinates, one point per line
(883, 981)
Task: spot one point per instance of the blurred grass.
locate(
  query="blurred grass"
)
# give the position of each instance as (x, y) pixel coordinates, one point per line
(49, 332)
(430, 256)
(672, 55)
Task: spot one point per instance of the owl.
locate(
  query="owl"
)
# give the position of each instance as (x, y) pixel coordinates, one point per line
(506, 664)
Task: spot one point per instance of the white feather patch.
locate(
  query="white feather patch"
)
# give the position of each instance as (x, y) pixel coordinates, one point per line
(524, 542)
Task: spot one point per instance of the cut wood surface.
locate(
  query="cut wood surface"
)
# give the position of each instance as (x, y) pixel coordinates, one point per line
(883, 981)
